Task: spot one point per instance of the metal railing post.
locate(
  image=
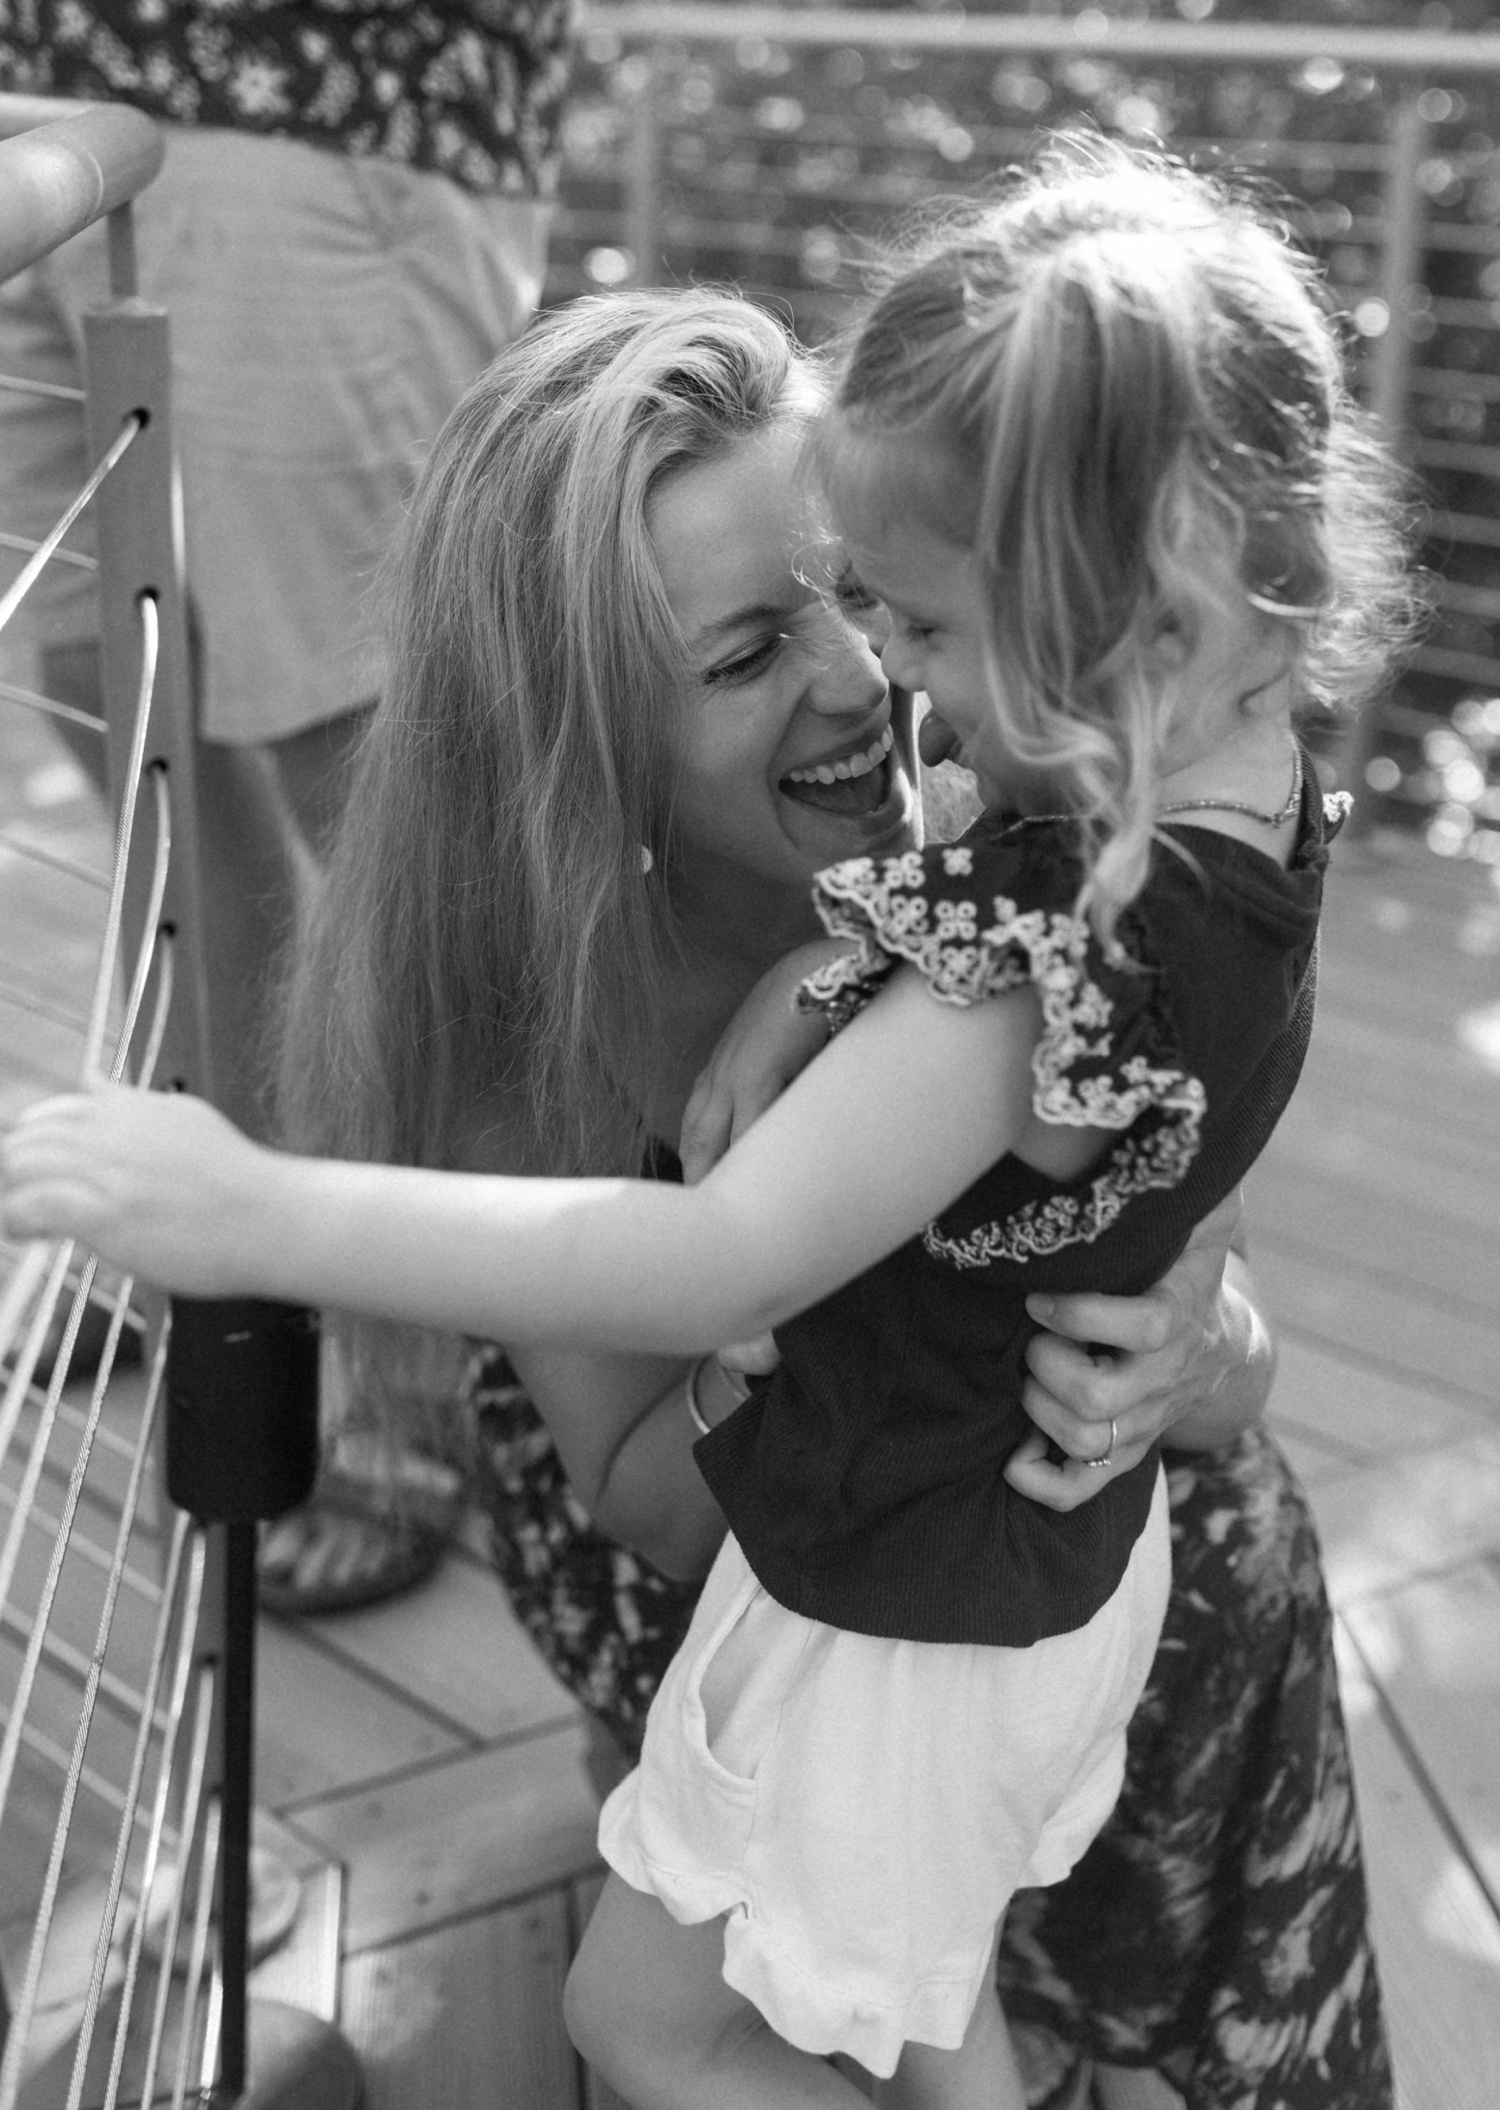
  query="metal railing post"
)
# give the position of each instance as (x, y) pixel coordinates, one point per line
(139, 518)
(643, 174)
(1391, 362)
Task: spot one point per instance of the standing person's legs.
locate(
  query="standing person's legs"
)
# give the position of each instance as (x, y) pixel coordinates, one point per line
(312, 770)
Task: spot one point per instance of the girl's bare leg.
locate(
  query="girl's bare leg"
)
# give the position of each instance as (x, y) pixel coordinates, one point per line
(981, 2075)
(647, 2006)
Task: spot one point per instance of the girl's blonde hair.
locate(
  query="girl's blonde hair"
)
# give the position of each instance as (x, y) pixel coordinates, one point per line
(485, 948)
(1119, 386)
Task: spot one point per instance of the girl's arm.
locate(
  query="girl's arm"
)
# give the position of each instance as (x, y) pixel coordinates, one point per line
(881, 1133)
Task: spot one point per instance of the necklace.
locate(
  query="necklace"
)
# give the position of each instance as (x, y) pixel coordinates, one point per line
(1271, 820)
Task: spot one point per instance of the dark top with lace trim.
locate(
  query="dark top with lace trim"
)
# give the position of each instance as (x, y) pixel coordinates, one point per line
(863, 1479)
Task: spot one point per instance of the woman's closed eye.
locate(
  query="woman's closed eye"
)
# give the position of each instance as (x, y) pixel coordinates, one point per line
(745, 666)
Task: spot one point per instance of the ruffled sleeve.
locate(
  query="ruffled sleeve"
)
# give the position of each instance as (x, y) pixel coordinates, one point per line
(980, 917)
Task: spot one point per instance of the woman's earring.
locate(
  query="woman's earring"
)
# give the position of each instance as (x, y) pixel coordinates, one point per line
(647, 860)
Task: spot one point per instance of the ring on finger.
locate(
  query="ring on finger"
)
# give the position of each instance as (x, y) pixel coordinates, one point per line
(1103, 1464)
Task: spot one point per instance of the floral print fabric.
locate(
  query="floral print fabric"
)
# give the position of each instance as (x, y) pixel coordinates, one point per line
(1216, 1930)
(470, 88)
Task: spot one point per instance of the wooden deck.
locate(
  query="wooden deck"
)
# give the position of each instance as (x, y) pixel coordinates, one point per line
(422, 1767)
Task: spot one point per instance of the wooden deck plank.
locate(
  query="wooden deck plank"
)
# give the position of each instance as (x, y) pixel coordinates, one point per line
(1375, 1318)
(1359, 1412)
(486, 1679)
(1436, 1935)
(1432, 1648)
(468, 2015)
(1404, 1518)
(305, 1971)
(1406, 1086)
(458, 1837)
(322, 1725)
(1444, 1244)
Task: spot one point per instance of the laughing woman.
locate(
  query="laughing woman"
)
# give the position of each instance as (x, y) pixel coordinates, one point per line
(624, 725)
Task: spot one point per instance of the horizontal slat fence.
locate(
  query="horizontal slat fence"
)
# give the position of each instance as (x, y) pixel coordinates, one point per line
(772, 147)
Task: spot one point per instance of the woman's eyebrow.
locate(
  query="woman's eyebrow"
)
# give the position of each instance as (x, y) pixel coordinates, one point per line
(742, 618)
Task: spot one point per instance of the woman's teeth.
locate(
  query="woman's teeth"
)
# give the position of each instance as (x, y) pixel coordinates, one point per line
(848, 766)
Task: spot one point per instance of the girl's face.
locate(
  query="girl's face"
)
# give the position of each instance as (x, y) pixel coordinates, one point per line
(921, 606)
(791, 758)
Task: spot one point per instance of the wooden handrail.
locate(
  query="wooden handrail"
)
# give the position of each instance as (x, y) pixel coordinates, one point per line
(64, 165)
(1445, 53)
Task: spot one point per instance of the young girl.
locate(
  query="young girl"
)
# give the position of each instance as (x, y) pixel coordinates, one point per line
(1101, 495)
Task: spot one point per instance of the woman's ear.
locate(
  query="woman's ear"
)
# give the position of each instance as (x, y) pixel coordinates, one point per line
(1175, 628)
(1270, 659)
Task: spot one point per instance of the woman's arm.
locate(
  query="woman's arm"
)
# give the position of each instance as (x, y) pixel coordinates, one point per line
(1189, 1364)
(625, 1437)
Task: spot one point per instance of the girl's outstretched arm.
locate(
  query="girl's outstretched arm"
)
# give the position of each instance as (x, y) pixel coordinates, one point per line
(898, 1116)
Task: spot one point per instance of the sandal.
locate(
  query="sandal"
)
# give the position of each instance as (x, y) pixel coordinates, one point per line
(360, 1539)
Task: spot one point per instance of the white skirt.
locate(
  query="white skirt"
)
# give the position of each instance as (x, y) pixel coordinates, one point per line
(861, 1810)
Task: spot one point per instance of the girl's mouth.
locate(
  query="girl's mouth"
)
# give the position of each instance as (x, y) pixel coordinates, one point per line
(855, 784)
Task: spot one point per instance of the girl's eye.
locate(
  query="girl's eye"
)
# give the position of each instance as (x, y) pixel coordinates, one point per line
(852, 596)
(746, 665)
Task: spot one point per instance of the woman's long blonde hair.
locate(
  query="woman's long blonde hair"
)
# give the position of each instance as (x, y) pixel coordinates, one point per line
(1118, 384)
(485, 947)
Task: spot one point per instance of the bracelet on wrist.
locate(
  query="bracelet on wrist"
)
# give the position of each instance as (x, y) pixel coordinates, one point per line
(690, 1393)
(736, 1380)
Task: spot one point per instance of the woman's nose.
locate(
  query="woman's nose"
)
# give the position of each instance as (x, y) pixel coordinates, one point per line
(848, 676)
(901, 663)
(873, 622)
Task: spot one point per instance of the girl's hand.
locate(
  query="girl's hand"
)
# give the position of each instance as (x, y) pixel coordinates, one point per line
(766, 1044)
(1192, 1355)
(158, 1183)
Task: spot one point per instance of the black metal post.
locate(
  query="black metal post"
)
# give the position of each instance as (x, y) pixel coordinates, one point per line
(242, 1446)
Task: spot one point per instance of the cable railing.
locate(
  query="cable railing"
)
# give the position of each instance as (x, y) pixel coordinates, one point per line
(772, 146)
(128, 1518)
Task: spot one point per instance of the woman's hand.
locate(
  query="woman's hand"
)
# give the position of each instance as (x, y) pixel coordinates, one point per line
(1113, 1375)
(767, 1043)
(157, 1182)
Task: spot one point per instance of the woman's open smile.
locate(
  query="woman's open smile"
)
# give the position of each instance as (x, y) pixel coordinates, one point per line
(791, 758)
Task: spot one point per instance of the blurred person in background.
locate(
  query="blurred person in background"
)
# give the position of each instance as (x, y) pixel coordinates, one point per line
(350, 222)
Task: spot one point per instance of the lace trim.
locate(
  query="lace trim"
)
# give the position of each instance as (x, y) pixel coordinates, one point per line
(888, 917)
